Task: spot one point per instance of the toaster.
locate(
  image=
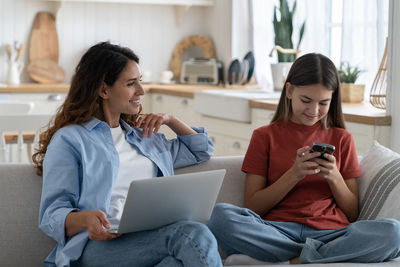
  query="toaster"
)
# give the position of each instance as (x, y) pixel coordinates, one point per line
(202, 71)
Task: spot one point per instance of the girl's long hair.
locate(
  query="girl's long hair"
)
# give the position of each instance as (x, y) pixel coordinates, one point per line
(103, 62)
(308, 70)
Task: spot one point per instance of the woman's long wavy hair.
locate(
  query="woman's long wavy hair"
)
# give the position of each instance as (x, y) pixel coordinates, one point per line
(103, 62)
(308, 70)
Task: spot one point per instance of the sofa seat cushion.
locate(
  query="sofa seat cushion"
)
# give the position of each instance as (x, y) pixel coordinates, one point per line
(239, 260)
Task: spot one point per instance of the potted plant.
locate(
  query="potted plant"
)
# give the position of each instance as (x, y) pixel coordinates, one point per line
(350, 91)
(283, 29)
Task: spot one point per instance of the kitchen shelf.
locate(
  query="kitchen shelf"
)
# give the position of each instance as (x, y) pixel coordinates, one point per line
(146, 2)
(180, 6)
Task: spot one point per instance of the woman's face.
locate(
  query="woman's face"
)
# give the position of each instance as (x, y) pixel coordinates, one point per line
(310, 103)
(124, 95)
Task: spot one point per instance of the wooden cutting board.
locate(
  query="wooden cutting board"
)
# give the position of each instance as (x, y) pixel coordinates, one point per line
(44, 40)
(46, 71)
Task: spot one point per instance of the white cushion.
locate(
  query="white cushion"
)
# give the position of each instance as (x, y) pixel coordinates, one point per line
(379, 186)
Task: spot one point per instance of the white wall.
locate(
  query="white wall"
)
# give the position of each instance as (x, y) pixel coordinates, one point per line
(219, 27)
(150, 30)
(393, 81)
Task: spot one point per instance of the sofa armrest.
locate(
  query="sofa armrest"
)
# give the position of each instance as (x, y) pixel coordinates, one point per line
(22, 243)
(232, 190)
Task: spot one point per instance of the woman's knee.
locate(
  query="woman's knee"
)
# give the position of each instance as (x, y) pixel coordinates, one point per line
(196, 231)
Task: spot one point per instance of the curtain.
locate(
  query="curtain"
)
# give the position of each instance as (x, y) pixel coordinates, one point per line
(364, 32)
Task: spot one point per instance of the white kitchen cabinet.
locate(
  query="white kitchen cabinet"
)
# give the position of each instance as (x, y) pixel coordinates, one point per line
(181, 107)
(365, 134)
(229, 137)
(261, 117)
(227, 145)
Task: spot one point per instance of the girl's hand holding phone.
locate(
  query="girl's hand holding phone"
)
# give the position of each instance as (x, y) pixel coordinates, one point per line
(303, 165)
(328, 168)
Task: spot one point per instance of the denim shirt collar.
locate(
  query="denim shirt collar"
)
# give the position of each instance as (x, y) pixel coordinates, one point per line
(94, 122)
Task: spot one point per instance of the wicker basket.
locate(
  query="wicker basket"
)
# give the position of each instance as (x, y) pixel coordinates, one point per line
(352, 93)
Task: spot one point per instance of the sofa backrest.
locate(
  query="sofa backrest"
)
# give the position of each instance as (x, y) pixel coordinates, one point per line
(22, 243)
(232, 190)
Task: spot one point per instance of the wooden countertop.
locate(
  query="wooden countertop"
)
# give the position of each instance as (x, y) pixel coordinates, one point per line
(35, 88)
(353, 112)
(181, 90)
(361, 113)
(178, 89)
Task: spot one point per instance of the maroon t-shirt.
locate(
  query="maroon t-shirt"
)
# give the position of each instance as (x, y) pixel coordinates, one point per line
(272, 151)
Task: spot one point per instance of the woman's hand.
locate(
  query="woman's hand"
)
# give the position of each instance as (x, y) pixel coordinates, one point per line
(328, 168)
(92, 220)
(152, 122)
(303, 165)
(95, 220)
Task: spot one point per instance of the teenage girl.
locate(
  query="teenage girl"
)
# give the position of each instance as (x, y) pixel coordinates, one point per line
(300, 207)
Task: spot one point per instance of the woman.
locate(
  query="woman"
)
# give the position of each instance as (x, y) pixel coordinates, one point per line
(96, 146)
(300, 207)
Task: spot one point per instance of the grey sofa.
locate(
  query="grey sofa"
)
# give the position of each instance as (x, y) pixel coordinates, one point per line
(23, 244)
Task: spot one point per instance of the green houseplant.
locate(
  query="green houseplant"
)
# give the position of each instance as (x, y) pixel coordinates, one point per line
(283, 28)
(348, 75)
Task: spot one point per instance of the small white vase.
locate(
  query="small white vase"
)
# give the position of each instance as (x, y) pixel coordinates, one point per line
(279, 73)
(14, 72)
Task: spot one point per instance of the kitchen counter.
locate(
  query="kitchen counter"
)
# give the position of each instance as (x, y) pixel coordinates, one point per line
(168, 89)
(358, 112)
(353, 112)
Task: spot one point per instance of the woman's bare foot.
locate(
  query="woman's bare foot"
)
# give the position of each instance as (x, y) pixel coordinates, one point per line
(295, 260)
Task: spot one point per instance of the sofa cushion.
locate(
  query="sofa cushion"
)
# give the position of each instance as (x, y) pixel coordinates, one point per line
(232, 189)
(379, 186)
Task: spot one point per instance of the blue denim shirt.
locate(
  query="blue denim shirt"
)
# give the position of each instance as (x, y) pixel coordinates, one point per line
(81, 165)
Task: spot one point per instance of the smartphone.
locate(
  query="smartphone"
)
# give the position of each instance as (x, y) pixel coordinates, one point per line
(323, 148)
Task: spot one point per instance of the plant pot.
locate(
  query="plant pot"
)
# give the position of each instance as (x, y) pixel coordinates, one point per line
(352, 93)
(279, 72)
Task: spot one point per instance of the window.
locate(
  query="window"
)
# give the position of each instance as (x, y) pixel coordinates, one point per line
(345, 30)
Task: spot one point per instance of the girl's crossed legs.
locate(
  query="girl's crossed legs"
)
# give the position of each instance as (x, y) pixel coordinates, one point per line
(241, 231)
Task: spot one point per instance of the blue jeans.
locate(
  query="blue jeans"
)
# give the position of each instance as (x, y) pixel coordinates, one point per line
(184, 243)
(242, 231)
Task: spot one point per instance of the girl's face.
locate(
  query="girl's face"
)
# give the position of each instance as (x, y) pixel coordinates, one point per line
(124, 95)
(310, 103)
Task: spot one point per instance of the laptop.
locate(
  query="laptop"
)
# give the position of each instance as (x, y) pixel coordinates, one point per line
(152, 203)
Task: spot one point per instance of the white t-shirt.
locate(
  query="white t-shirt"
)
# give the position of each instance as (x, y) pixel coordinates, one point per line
(132, 166)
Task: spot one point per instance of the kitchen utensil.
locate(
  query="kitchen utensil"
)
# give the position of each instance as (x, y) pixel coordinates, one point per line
(46, 71)
(233, 72)
(249, 57)
(244, 72)
(20, 51)
(44, 40)
(14, 72)
(9, 51)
